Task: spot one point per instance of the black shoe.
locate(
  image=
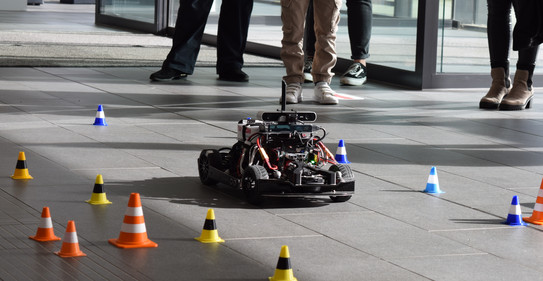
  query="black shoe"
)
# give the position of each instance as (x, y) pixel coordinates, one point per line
(308, 65)
(355, 75)
(234, 75)
(166, 74)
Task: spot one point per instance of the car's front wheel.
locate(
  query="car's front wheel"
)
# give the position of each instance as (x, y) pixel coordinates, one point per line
(248, 183)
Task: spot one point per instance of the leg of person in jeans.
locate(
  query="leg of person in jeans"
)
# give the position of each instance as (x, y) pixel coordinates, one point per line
(326, 16)
(232, 39)
(189, 28)
(309, 43)
(522, 92)
(359, 23)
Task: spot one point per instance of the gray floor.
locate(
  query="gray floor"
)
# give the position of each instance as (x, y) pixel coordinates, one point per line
(390, 230)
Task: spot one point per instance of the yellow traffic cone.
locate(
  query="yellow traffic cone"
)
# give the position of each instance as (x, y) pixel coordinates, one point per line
(283, 271)
(21, 171)
(98, 196)
(209, 233)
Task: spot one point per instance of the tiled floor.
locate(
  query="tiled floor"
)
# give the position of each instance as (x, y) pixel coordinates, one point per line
(389, 230)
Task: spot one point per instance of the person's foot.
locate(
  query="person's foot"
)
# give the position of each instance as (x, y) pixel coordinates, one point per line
(234, 75)
(308, 65)
(167, 74)
(355, 75)
(324, 94)
(293, 93)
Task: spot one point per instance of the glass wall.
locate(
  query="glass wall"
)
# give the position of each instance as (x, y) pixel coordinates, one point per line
(462, 43)
(137, 10)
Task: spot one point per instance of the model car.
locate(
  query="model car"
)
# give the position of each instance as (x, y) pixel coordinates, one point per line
(280, 154)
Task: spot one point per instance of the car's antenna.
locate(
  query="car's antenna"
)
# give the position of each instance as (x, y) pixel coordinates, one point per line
(283, 95)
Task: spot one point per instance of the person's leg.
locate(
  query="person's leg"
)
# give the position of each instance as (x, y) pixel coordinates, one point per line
(189, 28)
(522, 92)
(293, 16)
(309, 43)
(359, 23)
(326, 25)
(232, 36)
(499, 42)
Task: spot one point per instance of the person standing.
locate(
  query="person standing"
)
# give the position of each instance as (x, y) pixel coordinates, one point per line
(232, 33)
(502, 95)
(359, 24)
(326, 15)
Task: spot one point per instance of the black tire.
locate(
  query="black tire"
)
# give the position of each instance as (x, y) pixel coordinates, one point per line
(248, 183)
(208, 158)
(346, 175)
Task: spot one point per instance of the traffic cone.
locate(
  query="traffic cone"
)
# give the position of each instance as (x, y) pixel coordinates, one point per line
(209, 233)
(432, 186)
(21, 171)
(537, 214)
(98, 196)
(70, 244)
(341, 153)
(100, 119)
(45, 229)
(515, 214)
(283, 271)
(133, 233)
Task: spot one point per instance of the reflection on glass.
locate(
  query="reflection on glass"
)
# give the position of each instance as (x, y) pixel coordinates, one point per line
(138, 10)
(462, 44)
(394, 34)
(393, 41)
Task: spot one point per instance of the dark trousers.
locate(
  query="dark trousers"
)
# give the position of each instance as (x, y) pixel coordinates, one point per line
(499, 37)
(231, 34)
(359, 24)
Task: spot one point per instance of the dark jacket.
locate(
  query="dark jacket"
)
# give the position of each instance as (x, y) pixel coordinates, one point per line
(528, 31)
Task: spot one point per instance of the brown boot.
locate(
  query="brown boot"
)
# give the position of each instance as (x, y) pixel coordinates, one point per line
(499, 88)
(520, 96)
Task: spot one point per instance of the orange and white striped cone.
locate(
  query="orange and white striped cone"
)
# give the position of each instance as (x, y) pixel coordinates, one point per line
(210, 233)
(283, 270)
(45, 229)
(21, 171)
(70, 244)
(537, 214)
(133, 232)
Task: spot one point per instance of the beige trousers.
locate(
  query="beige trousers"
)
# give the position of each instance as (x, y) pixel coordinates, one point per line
(326, 15)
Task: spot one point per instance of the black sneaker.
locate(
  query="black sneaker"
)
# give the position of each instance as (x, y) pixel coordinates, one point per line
(308, 65)
(355, 75)
(234, 75)
(167, 74)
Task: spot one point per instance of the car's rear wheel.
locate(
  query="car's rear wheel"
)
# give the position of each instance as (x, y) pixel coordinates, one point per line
(208, 158)
(346, 175)
(248, 183)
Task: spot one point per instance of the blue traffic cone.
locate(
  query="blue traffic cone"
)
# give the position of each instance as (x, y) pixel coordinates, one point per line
(515, 214)
(100, 117)
(341, 153)
(432, 186)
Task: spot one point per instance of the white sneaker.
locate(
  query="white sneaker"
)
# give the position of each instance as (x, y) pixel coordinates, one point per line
(324, 94)
(293, 93)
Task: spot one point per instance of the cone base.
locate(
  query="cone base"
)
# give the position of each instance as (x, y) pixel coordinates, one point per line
(76, 254)
(208, 240)
(283, 278)
(144, 244)
(433, 191)
(515, 223)
(44, 239)
(22, 177)
(533, 220)
(98, 202)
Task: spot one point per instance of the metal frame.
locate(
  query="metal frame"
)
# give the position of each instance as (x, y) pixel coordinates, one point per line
(158, 27)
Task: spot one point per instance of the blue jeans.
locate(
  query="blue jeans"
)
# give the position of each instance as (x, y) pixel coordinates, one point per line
(231, 35)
